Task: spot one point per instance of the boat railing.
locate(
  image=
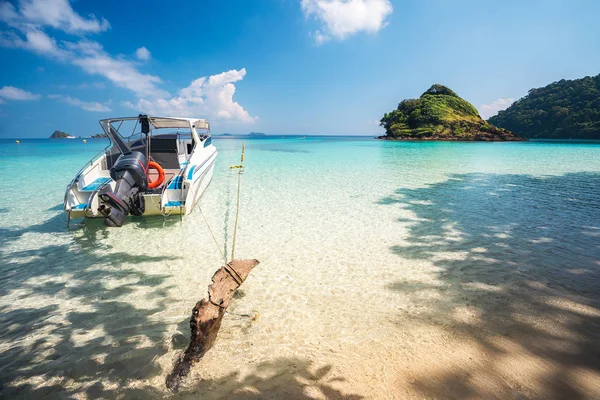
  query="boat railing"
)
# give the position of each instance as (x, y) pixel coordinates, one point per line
(85, 166)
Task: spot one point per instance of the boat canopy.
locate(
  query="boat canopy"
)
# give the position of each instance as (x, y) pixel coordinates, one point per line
(169, 122)
(114, 126)
(166, 122)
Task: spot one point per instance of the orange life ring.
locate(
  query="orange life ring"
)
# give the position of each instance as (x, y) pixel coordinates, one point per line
(161, 175)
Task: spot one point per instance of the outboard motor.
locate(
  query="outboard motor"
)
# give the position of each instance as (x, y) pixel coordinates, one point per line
(129, 171)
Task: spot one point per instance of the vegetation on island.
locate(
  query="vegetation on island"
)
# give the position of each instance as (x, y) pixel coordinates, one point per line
(60, 135)
(567, 109)
(440, 114)
(63, 135)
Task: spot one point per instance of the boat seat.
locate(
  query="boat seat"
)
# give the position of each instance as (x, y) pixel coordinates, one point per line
(90, 187)
(175, 204)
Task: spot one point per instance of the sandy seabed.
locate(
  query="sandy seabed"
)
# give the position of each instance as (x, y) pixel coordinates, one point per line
(465, 287)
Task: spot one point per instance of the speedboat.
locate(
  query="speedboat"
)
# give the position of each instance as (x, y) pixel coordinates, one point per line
(162, 167)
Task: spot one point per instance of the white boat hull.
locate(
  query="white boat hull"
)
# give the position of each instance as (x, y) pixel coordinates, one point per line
(179, 193)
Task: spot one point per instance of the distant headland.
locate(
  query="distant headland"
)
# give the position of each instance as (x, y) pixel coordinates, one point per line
(567, 109)
(440, 114)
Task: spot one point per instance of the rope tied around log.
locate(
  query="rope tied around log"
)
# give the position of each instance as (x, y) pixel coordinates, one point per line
(207, 314)
(237, 278)
(220, 305)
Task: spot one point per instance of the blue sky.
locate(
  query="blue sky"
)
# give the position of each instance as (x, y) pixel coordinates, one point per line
(278, 66)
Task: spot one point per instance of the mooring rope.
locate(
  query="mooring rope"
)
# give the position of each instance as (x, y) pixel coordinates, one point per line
(237, 213)
(237, 208)
(213, 236)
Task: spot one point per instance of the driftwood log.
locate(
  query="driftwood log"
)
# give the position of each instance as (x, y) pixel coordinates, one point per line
(207, 316)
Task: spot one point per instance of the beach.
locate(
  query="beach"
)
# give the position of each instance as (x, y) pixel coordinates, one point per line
(388, 270)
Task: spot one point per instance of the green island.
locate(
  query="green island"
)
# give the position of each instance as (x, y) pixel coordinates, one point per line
(61, 135)
(567, 109)
(440, 114)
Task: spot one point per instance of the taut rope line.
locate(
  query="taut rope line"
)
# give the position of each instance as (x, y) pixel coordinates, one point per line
(237, 209)
(237, 213)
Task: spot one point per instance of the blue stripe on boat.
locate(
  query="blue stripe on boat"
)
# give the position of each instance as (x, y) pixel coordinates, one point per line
(175, 204)
(95, 185)
(192, 169)
(176, 182)
(79, 206)
(191, 173)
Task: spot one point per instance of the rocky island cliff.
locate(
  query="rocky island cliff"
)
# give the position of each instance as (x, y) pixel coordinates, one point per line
(440, 114)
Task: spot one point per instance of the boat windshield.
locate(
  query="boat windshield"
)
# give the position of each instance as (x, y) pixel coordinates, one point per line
(131, 130)
(167, 141)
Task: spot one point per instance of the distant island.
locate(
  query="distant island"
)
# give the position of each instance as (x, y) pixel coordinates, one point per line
(440, 114)
(257, 134)
(64, 135)
(567, 109)
(61, 135)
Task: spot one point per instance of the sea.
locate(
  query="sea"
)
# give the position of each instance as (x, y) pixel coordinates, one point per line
(353, 235)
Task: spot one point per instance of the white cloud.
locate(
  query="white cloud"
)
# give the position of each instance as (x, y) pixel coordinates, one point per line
(86, 105)
(39, 42)
(55, 13)
(8, 12)
(341, 18)
(35, 40)
(93, 59)
(34, 15)
(13, 93)
(143, 53)
(210, 97)
(489, 110)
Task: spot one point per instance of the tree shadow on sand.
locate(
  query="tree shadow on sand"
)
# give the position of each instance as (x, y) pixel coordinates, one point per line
(522, 255)
(283, 378)
(84, 331)
(86, 339)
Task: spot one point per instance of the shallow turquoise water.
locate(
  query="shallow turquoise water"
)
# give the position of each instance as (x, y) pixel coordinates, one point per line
(317, 211)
